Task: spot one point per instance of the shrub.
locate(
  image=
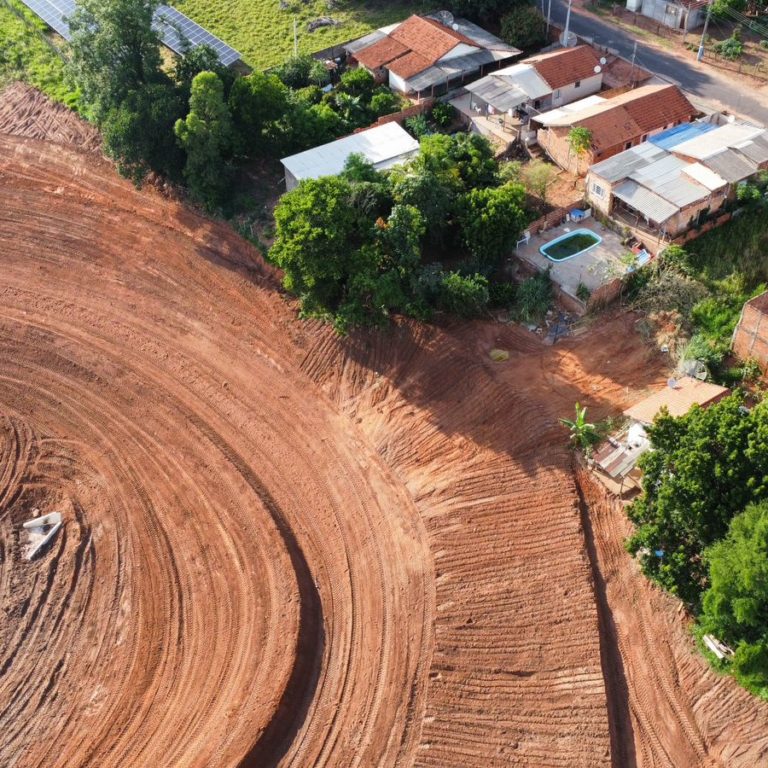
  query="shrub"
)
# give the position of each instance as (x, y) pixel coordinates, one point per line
(583, 292)
(534, 296)
(466, 296)
(502, 295)
(731, 49)
(764, 45)
(417, 126)
(357, 82)
(384, 102)
(295, 71)
(443, 114)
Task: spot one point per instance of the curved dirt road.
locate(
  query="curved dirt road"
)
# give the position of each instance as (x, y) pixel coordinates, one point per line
(239, 578)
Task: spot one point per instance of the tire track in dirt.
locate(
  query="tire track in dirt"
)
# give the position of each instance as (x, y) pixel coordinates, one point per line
(246, 600)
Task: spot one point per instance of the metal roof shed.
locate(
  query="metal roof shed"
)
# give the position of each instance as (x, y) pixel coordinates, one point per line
(649, 204)
(384, 146)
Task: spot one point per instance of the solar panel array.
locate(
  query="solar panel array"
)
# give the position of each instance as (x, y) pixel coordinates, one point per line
(176, 30)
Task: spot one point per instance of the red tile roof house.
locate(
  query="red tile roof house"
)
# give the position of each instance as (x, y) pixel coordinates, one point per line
(571, 73)
(616, 124)
(423, 56)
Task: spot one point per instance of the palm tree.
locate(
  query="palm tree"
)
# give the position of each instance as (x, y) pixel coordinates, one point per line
(583, 434)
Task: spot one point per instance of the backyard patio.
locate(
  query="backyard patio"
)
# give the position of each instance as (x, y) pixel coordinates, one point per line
(594, 269)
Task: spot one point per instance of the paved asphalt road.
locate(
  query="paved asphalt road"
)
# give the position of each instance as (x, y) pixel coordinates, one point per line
(737, 95)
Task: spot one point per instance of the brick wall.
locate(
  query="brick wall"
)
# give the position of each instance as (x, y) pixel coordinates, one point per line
(552, 219)
(751, 336)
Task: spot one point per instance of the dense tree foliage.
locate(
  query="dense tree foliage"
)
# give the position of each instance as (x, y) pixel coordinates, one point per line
(524, 27)
(138, 133)
(206, 135)
(114, 51)
(735, 607)
(492, 218)
(705, 468)
(353, 247)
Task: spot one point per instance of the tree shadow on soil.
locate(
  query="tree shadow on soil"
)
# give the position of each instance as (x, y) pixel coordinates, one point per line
(616, 688)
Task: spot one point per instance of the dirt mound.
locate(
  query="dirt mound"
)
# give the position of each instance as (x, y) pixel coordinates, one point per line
(24, 111)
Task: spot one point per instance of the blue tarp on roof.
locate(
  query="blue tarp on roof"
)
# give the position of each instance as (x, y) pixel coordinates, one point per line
(680, 133)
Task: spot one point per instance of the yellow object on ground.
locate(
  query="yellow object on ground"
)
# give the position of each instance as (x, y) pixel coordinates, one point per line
(499, 355)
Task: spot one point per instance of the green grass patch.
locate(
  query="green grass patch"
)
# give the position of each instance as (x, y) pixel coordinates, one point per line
(25, 55)
(263, 33)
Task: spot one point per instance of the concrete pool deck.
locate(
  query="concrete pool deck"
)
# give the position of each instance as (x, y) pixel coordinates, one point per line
(597, 267)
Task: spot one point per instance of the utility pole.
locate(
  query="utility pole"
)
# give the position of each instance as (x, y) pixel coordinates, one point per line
(566, 31)
(295, 39)
(632, 73)
(700, 54)
(549, 17)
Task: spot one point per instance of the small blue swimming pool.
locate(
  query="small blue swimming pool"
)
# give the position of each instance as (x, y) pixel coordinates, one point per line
(570, 244)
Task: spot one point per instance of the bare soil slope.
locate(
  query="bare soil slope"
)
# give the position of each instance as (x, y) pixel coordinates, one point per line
(283, 548)
(240, 578)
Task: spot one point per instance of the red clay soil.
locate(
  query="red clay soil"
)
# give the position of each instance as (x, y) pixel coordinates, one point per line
(285, 548)
(24, 111)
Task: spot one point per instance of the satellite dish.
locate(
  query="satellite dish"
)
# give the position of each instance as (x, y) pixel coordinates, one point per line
(603, 60)
(598, 70)
(672, 383)
(455, 27)
(446, 17)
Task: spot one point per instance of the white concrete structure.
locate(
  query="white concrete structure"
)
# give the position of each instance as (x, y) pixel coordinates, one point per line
(384, 146)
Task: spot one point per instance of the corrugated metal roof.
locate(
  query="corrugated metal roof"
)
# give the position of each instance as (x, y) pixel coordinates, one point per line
(680, 133)
(712, 142)
(482, 36)
(731, 165)
(364, 42)
(645, 202)
(624, 164)
(526, 78)
(497, 93)
(665, 178)
(704, 176)
(384, 146)
(756, 149)
(447, 70)
(570, 113)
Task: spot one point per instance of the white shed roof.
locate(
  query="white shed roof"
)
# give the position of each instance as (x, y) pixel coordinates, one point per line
(566, 115)
(384, 146)
(712, 142)
(704, 176)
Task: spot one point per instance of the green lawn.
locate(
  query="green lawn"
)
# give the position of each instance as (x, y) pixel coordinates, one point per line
(264, 34)
(25, 56)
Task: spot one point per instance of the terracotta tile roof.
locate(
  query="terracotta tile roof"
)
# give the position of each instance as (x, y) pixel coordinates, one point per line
(565, 66)
(429, 38)
(611, 128)
(380, 53)
(409, 65)
(678, 401)
(654, 106)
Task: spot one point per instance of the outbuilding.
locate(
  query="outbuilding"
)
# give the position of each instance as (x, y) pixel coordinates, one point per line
(384, 146)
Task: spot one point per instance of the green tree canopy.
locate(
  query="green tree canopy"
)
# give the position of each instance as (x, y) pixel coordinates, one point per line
(705, 468)
(138, 133)
(206, 135)
(317, 243)
(492, 220)
(735, 607)
(257, 102)
(114, 51)
(524, 27)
